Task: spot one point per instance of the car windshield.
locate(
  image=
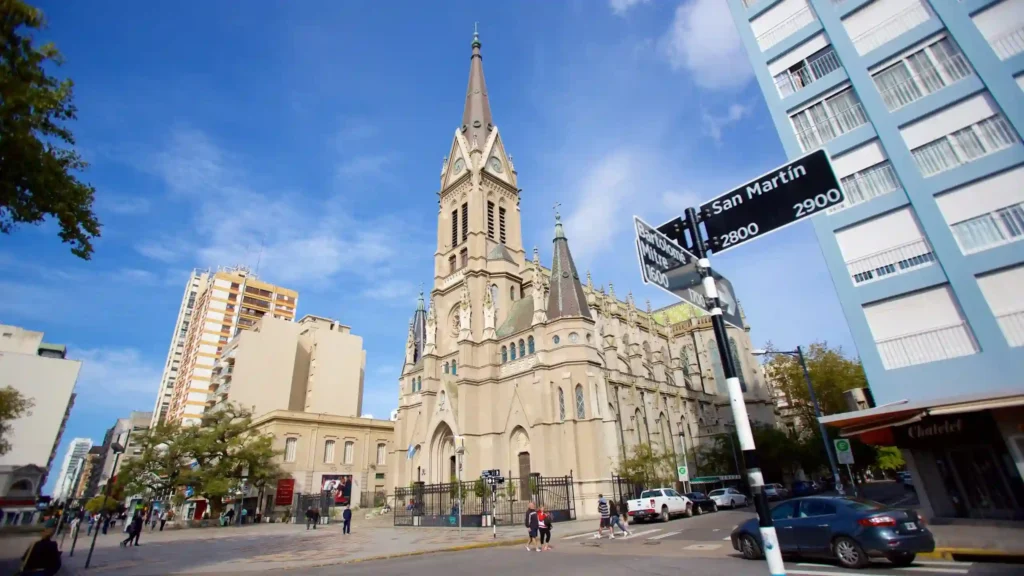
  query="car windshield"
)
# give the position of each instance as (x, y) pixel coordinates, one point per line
(650, 494)
(862, 504)
(718, 492)
(694, 495)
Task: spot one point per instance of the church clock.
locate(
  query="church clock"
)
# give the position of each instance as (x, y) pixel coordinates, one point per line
(453, 322)
(494, 164)
(460, 165)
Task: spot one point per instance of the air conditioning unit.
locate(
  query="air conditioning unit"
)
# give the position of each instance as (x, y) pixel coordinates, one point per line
(859, 399)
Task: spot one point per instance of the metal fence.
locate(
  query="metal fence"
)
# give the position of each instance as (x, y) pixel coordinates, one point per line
(438, 504)
(623, 491)
(372, 499)
(321, 501)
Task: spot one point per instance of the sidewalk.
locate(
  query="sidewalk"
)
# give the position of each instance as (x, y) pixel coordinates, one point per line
(969, 539)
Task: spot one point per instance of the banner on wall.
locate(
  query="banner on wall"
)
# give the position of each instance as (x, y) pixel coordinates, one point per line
(339, 486)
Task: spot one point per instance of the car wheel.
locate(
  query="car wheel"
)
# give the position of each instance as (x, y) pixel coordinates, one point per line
(749, 547)
(664, 514)
(689, 511)
(849, 553)
(698, 510)
(714, 507)
(901, 558)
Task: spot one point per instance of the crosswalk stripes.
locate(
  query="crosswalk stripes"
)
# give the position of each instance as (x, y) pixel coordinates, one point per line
(727, 538)
(665, 535)
(635, 534)
(930, 568)
(575, 536)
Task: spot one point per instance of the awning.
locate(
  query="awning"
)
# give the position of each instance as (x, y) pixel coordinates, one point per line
(905, 412)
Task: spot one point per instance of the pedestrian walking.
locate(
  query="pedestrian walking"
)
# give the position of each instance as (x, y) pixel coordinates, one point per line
(615, 519)
(310, 515)
(129, 527)
(532, 527)
(42, 556)
(163, 520)
(106, 523)
(346, 517)
(544, 522)
(92, 522)
(605, 512)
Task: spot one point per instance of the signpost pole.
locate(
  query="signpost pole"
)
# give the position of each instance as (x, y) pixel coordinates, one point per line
(769, 539)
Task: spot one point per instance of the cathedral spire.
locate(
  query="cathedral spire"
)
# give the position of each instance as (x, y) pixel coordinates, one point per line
(476, 117)
(566, 297)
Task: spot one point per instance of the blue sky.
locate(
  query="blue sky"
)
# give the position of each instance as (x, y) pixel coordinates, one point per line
(324, 124)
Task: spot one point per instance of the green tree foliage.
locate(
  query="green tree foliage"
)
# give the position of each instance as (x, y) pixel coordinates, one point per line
(101, 503)
(648, 467)
(831, 372)
(890, 458)
(226, 450)
(38, 161)
(12, 406)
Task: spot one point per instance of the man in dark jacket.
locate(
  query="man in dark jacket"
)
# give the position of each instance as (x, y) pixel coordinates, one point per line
(532, 526)
(309, 518)
(346, 516)
(42, 557)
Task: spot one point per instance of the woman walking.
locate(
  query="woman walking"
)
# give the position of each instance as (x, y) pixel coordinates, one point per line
(544, 522)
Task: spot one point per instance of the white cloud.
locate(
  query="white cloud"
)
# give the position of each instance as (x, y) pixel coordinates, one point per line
(363, 165)
(703, 40)
(166, 251)
(598, 212)
(121, 204)
(620, 7)
(399, 291)
(713, 124)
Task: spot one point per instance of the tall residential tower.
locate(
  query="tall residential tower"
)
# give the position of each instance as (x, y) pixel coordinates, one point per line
(196, 281)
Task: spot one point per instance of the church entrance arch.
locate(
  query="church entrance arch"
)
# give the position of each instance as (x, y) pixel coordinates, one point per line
(442, 455)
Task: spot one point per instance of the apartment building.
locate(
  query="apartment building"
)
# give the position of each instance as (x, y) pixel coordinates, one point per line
(72, 468)
(920, 105)
(313, 365)
(41, 372)
(196, 281)
(232, 300)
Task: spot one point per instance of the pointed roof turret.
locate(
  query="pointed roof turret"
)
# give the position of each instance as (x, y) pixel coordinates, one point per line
(419, 327)
(566, 297)
(476, 117)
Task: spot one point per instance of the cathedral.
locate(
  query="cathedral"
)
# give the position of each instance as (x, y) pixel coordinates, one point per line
(530, 368)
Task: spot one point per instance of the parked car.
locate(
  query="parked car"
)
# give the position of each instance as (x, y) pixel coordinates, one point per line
(850, 530)
(907, 480)
(776, 491)
(701, 503)
(728, 497)
(662, 503)
(803, 488)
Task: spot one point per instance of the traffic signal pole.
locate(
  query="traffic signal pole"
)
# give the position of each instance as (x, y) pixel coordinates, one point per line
(752, 468)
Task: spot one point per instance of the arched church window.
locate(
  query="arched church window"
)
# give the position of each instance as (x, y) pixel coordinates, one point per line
(504, 354)
(464, 258)
(580, 407)
(737, 366)
(522, 348)
(455, 368)
(512, 350)
(419, 383)
(561, 405)
(445, 367)
(511, 292)
(529, 345)
(451, 264)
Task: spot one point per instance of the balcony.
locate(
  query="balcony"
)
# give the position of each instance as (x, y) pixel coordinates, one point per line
(786, 28)
(965, 145)
(1009, 44)
(1012, 324)
(825, 130)
(926, 346)
(891, 28)
(897, 260)
(915, 87)
(867, 184)
(791, 81)
(989, 230)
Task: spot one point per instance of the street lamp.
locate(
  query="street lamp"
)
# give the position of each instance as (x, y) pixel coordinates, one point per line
(799, 354)
(117, 449)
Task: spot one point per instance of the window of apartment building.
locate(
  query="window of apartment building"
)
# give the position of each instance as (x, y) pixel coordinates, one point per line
(883, 246)
(329, 452)
(455, 228)
(965, 145)
(806, 71)
(451, 264)
(290, 445)
(828, 119)
(883, 20)
(465, 221)
(920, 327)
(350, 448)
(869, 183)
(780, 22)
(463, 258)
(1001, 290)
(986, 213)
(490, 220)
(920, 73)
(382, 454)
(501, 225)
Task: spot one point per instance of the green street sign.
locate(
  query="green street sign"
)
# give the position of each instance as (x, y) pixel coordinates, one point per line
(844, 452)
(684, 474)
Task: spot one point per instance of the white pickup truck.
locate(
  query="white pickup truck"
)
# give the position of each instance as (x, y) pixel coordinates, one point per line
(662, 503)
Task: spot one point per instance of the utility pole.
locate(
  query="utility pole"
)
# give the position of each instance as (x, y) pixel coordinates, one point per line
(118, 449)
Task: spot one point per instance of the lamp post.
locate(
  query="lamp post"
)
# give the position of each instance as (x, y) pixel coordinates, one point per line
(118, 450)
(799, 354)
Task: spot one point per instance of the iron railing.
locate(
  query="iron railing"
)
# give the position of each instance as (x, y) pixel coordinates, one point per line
(945, 73)
(891, 28)
(1009, 44)
(805, 75)
(784, 29)
(941, 343)
(891, 261)
(1012, 324)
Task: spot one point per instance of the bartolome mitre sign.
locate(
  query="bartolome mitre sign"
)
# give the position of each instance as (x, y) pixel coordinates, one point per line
(791, 192)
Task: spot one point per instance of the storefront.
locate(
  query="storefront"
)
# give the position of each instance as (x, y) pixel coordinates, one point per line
(965, 455)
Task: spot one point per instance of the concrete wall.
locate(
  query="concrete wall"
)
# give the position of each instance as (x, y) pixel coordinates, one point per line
(265, 363)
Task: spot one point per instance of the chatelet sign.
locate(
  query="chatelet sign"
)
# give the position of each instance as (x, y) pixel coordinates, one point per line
(939, 430)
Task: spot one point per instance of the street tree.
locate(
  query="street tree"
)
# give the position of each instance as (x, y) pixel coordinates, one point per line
(890, 458)
(101, 503)
(13, 405)
(780, 453)
(831, 372)
(38, 160)
(157, 471)
(648, 467)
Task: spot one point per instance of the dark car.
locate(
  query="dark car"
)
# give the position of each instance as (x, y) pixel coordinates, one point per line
(701, 503)
(803, 488)
(850, 530)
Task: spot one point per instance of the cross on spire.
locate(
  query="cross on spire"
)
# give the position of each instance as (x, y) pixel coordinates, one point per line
(555, 207)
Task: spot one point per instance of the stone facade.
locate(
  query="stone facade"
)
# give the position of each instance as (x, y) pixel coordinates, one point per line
(533, 369)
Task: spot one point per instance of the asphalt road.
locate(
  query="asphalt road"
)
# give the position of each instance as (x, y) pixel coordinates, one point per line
(516, 561)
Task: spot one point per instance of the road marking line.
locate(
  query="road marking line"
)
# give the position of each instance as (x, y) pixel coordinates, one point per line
(635, 534)
(727, 538)
(899, 569)
(715, 529)
(578, 536)
(665, 535)
(703, 547)
(940, 563)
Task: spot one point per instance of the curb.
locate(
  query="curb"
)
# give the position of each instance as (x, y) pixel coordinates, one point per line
(951, 554)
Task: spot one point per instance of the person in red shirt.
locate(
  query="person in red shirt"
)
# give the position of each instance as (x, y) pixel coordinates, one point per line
(544, 522)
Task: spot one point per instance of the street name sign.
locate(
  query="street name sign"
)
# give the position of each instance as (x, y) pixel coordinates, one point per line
(667, 265)
(844, 452)
(784, 196)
